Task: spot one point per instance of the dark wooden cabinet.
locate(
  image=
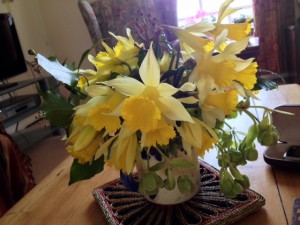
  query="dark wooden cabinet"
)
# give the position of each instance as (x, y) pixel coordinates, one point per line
(293, 53)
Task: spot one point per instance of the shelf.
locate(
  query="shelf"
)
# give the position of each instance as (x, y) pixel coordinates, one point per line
(21, 84)
(27, 137)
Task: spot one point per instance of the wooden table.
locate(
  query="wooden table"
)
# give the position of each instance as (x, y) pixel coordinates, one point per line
(53, 202)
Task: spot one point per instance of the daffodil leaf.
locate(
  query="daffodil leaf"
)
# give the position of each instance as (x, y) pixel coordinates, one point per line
(56, 109)
(179, 162)
(58, 71)
(85, 171)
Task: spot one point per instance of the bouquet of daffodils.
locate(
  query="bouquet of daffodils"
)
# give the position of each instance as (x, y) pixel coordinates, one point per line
(167, 96)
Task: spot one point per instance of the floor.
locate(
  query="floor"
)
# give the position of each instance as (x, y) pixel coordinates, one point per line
(46, 155)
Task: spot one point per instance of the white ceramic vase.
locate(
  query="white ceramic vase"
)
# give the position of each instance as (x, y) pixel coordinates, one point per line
(176, 195)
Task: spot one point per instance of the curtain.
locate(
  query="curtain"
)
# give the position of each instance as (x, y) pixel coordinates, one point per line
(271, 18)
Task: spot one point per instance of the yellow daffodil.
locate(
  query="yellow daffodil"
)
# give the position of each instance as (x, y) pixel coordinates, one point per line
(196, 135)
(235, 31)
(84, 142)
(122, 59)
(148, 101)
(123, 151)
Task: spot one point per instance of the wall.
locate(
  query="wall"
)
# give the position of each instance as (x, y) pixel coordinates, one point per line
(66, 31)
(32, 35)
(51, 27)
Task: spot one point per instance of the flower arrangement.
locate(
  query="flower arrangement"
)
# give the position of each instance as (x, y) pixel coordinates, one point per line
(161, 100)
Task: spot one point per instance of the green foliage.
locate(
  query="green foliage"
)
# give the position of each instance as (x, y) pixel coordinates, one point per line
(185, 184)
(170, 182)
(264, 84)
(56, 109)
(85, 171)
(179, 162)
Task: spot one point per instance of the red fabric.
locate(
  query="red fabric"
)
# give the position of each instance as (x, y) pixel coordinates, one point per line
(16, 177)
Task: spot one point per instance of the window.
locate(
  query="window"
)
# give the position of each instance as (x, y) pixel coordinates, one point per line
(192, 11)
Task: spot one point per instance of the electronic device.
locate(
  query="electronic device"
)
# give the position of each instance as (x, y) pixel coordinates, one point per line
(287, 152)
(12, 60)
(11, 107)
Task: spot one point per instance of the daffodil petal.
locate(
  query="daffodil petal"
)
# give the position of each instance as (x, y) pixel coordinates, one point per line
(166, 89)
(98, 90)
(189, 100)
(126, 85)
(104, 147)
(237, 47)
(173, 109)
(149, 70)
(221, 38)
(187, 86)
(200, 27)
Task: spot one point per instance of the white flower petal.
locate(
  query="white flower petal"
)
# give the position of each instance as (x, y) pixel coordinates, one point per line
(200, 27)
(126, 85)
(165, 89)
(173, 109)
(188, 86)
(221, 38)
(189, 100)
(240, 89)
(149, 70)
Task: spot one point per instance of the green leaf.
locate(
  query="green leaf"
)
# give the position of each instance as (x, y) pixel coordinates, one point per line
(157, 166)
(58, 71)
(56, 109)
(149, 182)
(184, 185)
(87, 52)
(179, 162)
(85, 171)
(264, 84)
(170, 181)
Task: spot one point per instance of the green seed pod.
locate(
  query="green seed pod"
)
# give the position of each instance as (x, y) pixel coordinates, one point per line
(264, 124)
(251, 154)
(237, 187)
(244, 182)
(252, 134)
(235, 173)
(269, 138)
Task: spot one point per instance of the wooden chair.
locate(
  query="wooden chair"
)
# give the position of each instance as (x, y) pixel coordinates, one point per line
(143, 17)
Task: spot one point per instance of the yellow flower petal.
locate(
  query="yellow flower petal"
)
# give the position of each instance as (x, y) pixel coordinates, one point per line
(173, 109)
(161, 135)
(248, 76)
(126, 85)
(166, 89)
(140, 113)
(149, 70)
